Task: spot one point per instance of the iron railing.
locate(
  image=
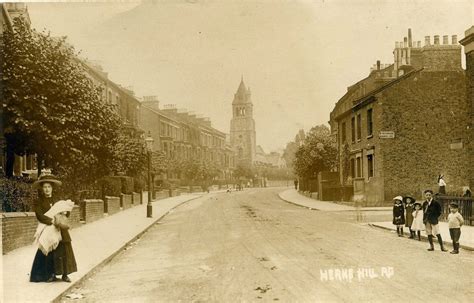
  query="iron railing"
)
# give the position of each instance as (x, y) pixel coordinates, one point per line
(465, 207)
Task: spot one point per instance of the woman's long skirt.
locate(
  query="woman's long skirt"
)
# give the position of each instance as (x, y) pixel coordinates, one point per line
(43, 267)
(64, 260)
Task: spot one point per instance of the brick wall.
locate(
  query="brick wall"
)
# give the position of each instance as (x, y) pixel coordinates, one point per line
(428, 112)
(470, 87)
(111, 205)
(18, 230)
(92, 209)
(125, 201)
(136, 199)
(162, 194)
(75, 216)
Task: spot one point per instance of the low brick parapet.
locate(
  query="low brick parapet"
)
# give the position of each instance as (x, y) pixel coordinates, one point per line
(92, 209)
(18, 229)
(125, 201)
(136, 199)
(111, 205)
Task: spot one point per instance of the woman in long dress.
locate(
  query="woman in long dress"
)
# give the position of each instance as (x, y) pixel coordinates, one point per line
(59, 261)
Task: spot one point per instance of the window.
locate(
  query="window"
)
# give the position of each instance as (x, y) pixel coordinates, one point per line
(353, 129)
(359, 167)
(162, 129)
(369, 123)
(359, 124)
(353, 168)
(370, 166)
(343, 131)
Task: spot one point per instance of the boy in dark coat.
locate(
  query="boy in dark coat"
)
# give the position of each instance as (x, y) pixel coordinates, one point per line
(431, 213)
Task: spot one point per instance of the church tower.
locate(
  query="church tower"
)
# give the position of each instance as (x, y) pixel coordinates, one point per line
(242, 126)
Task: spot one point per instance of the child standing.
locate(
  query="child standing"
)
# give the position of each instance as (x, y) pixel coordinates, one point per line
(398, 214)
(455, 221)
(417, 225)
(408, 201)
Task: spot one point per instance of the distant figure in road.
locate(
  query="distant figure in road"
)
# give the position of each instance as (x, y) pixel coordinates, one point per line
(296, 184)
(431, 213)
(408, 201)
(398, 214)
(417, 225)
(455, 221)
(442, 185)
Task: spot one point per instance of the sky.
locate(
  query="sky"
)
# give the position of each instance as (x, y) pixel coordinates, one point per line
(297, 57)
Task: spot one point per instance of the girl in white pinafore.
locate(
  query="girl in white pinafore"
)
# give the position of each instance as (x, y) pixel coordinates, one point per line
(417, 225)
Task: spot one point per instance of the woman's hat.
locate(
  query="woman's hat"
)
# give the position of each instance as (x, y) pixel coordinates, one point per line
(416, 203)
(409, 199)
(46, 179)
(400, 198)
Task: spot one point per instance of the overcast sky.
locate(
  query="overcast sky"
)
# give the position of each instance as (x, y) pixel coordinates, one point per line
(298, 57)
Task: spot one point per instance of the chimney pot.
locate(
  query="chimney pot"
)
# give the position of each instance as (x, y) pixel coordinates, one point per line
(436, 40)
(409, 38)
(405, 42)
(427, 40)
(397, 45)
(378, 64)
(454, 39)
(419, 44)
(445, 39)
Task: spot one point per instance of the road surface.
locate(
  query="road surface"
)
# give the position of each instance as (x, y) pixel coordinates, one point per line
(250, 246)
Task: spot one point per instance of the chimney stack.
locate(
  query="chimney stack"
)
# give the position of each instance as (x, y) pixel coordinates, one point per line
(436, 40)
(405, 42)
(378, 64)
(427, 40)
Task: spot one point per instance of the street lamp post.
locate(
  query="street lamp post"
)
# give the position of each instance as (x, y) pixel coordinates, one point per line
(149, 147)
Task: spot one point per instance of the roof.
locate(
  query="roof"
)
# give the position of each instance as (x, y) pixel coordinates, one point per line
(242, 96)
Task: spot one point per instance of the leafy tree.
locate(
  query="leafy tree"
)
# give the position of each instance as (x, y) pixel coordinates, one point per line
(129, 155)
(52, 108)
(318, 153)
(289, 153)
(243, 171)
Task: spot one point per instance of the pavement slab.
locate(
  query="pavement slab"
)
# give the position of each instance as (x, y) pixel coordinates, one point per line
(93, 244)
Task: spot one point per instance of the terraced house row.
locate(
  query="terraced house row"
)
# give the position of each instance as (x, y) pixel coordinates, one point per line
(179, 134)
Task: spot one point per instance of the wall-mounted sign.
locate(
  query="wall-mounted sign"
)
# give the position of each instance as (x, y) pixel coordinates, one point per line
(386, 134)
(457, 145)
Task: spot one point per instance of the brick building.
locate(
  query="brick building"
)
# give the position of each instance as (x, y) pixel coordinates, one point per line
(468, 43)
(405, 123)
(183, 135)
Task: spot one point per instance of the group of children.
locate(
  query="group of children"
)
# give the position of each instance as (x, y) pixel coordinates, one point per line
(407, 212)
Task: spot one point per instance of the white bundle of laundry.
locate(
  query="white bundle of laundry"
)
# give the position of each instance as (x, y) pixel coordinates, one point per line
(48, 236)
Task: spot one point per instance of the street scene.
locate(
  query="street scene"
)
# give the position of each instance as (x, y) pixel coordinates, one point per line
(237, 151)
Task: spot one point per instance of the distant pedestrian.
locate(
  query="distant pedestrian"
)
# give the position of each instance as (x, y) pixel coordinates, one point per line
(58, 260)
(455, 221)
(442, 185)
(398, 214)
(431, 213)
(467, 192)
(417, 225)
(296, 184)
(408, 201)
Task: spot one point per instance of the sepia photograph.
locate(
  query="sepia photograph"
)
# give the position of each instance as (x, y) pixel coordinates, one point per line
(237, 151)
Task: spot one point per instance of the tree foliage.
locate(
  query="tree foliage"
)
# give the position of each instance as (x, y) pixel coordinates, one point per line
(52, 108)
(318, 153)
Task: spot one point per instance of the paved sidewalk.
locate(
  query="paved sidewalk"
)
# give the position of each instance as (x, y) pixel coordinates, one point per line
(466, 241)
(292, 196)
(93, 243)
